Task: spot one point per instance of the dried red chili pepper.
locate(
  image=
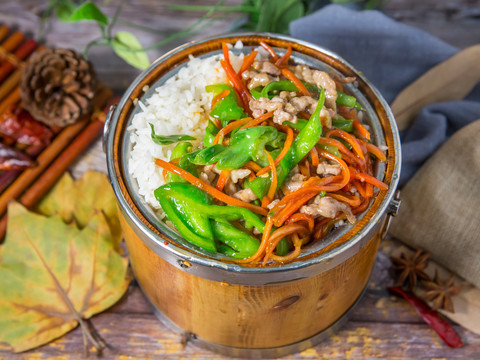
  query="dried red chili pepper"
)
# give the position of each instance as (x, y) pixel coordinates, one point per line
(11, 159)
(432, 318)
(17, 125)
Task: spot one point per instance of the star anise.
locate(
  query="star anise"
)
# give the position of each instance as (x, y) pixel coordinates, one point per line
(411, 268)
(440, 292)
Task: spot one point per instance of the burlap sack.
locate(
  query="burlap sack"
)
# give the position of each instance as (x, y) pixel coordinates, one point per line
(440, 209)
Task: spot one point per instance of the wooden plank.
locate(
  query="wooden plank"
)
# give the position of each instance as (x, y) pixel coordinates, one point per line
(140, 336)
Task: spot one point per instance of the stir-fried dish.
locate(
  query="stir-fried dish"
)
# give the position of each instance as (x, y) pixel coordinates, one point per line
(284, 160)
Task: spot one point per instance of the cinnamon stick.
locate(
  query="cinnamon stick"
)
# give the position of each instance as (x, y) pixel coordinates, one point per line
(4, 30)
(12, 42)
(12, 98)
(20, 54)
(58, 167)
(67, 141)
(9, 84)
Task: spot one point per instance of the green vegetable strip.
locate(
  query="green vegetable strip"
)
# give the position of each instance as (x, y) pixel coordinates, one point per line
(168, 139)
(226, 109)
(178, 152)
(343, 124)
(202, 223)
(347, 100)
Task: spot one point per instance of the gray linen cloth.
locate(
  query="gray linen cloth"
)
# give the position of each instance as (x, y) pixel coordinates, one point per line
(392, 55)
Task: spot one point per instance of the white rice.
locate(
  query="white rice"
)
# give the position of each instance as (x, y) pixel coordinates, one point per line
(180, 106)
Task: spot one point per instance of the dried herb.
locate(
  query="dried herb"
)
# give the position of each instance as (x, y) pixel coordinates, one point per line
(411, 268)
(440, 292)
(432, 318)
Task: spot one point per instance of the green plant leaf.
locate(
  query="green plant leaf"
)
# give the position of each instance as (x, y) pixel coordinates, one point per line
(64, 10)
(168, 139)
(56, 276)
(127, 46)
(290, 11)
(89, 11)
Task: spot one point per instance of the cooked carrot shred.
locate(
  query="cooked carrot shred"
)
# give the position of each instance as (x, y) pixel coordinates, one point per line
(284, 59)
(256, 121)
(348, 138)
(314, 155)
(222, 179)
(296, 81)
(229, 128)
(361, 129)
(247, 62)
(273, 185)
(286, 147)
(272, 52)
(220, 97)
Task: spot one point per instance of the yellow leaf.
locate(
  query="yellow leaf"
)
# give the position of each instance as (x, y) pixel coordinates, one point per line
(53, 275)
(81, 199)
(58, 200)
(451, 80)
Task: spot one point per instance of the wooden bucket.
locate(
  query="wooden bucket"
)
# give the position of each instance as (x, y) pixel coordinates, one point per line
(244, 310)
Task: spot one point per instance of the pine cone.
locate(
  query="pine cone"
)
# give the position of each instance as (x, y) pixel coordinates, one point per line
(57, 86)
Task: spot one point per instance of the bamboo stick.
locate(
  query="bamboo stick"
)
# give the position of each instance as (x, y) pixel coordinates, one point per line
(20, 54)
(9, 84)
(4, 30)
(12, 98)
(12, 42)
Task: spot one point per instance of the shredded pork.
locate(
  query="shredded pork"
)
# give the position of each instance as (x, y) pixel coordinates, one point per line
(328, 207)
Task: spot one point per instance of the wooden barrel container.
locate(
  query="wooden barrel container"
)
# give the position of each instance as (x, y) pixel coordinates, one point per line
(247, 310)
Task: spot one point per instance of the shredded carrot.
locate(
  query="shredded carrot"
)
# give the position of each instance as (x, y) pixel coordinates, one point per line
(304, 170)
(362, 206)
(368, 179)
(247, 62)
(252, 166)
(220, 97)
(296, 81)
(297, 243)
(279, 234)
(368, 190)
(353, 201)
(360, 188)
(173, 161)
(361, 129)
(273, 185)
(237, 84)
(272, 52)
(209, 189)
(345, 168)
(286, 147)
(265, 201)
(376, 151)
(222, 179)
(302, 217)
(284, 59)
(263, 244)
(226, 54)
(257, 121)
(348, 138)
(229, 128)
(314, 155)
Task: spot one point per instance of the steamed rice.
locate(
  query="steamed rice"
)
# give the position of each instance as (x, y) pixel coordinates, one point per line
(180, 106)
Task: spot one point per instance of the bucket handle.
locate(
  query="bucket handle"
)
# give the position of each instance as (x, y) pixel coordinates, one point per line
(392, 211)
(106, 127)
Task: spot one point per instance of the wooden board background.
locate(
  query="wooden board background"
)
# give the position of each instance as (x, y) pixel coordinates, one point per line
(381, 326)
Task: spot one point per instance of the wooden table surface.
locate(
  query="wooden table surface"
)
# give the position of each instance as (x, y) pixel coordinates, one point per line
(381, 326)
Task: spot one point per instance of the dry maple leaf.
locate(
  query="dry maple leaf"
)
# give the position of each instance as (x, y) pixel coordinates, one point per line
(54, 275)
(79, 200)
